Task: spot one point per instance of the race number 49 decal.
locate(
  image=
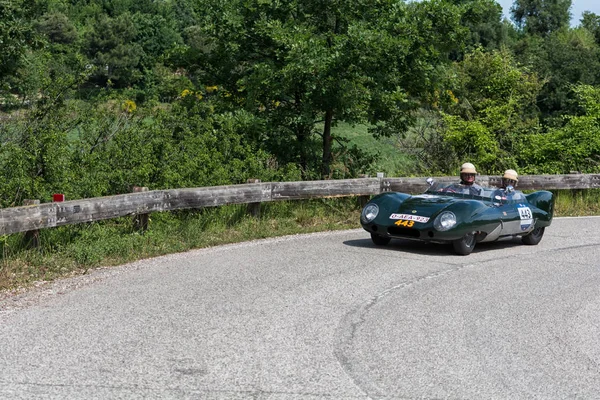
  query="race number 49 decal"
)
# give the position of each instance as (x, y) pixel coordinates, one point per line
(526, 217)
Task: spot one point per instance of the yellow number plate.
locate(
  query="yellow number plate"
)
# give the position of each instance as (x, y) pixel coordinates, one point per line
(403, 222)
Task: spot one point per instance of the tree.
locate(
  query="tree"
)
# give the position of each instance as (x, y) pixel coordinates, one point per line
(541, 17)
(574, 59)
(591, 22)
(483, 19)
(17, 38)
(306, 65)
(572, 147)
(57, 27)
(487, 107)
(36, 147)
(564, 58)
(126, 43)
(113, 51)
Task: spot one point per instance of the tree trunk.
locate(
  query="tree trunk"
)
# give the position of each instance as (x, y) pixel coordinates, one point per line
(326, 164)
(302, 134)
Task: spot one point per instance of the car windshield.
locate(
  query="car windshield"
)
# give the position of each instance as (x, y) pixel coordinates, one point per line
(462, 191)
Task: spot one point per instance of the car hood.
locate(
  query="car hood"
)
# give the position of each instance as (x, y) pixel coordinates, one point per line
(428, 205)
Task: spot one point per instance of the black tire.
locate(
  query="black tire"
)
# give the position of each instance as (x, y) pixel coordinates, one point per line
(533, 237)
(380, 240)
(465, 245)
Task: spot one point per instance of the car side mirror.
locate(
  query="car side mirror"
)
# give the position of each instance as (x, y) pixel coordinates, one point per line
(429, 181)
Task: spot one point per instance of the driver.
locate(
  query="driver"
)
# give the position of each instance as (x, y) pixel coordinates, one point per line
(467, 183)
(467, 179)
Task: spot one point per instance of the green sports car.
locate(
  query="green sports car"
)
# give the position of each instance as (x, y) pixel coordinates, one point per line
(453, 213)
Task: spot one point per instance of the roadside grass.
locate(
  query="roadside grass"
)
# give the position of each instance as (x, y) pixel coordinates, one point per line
(577, 203)
(73, 250)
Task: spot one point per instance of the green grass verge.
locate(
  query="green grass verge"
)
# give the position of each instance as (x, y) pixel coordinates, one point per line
(73, 250)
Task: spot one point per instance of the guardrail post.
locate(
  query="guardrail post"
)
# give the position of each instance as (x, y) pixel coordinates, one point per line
(32, 238)
(576, 193)
(384, 185)
(140, 221)
(363, 200)
(254, 208)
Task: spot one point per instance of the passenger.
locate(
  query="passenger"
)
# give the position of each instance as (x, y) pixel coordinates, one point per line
(510, 178)
(507, 191)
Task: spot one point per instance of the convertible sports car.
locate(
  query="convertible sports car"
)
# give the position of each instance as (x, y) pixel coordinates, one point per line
(451, 213)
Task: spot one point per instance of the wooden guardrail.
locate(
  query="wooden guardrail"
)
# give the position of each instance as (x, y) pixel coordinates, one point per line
(39, 216)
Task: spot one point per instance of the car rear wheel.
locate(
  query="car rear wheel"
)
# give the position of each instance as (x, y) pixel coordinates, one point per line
(380, 240)
(465, 245)
(534, 237)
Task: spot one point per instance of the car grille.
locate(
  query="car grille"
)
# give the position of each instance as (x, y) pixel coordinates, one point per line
(402, 231)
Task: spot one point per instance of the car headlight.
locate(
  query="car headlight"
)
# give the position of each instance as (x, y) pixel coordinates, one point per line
(369, 213)
(444, 221)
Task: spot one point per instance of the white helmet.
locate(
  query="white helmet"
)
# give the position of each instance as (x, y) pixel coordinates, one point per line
(511, 174)
(467, 168)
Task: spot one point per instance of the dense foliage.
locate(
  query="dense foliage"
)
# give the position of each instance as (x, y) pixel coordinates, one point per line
(99, 96)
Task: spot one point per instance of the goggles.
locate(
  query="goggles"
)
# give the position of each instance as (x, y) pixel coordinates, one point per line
(508, 182)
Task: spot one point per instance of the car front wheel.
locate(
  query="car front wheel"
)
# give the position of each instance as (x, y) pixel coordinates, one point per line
(380, 240)
(533, 237)
(465, 245)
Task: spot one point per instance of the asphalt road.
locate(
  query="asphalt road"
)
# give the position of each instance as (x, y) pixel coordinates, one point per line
(322, 316)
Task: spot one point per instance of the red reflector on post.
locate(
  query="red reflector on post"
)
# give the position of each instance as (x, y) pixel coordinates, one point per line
(58, 197)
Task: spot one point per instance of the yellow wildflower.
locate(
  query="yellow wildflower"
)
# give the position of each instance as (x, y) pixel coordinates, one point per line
(129, 106)
(452, 97)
